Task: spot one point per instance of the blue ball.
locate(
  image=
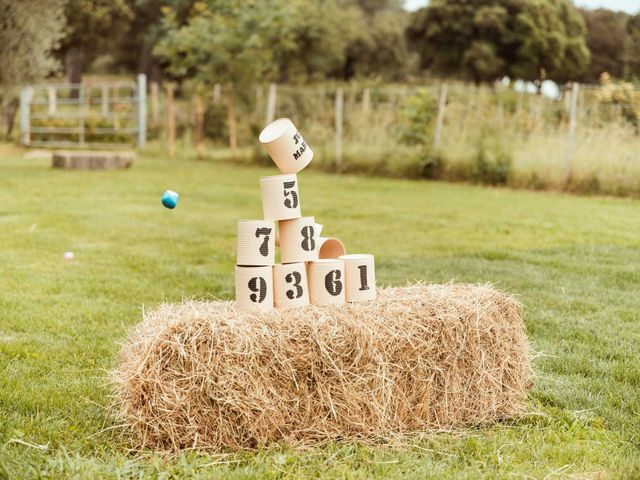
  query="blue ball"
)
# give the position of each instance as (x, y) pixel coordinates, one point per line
(170, 199)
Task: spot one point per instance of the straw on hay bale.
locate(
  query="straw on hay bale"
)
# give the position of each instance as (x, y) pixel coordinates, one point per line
(204, 375)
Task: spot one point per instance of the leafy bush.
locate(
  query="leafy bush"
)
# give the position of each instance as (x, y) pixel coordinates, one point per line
(492, 163)
(416, 128)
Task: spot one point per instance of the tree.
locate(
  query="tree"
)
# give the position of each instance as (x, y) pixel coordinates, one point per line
(549, 38)
(134, 50)
(465, 39)
(29, 31)
(92, 27)
(633, 47)
(607, 42)
(380, 49)
(484, 40)
(237, 43)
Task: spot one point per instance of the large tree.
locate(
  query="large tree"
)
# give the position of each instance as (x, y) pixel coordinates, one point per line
(134, 48)
(29, 31)
(93, 26)
(243, 42)
(607, 42)
(380, 48)
(633, 47)
(483, 40)
(549, 37)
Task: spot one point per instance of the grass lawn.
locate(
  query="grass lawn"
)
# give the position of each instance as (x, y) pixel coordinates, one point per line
(573, 261)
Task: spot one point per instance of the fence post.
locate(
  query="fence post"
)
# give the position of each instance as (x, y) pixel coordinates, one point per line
(81, 137)
(52, 100)
(25, 113)
(366, 101)
(271, 103)
(105, 100)
(199, 107)
(231, 121)
(339, 120)
(155, 104)
(440, 119)
(568, 169)
(142, 110)
(171, 122)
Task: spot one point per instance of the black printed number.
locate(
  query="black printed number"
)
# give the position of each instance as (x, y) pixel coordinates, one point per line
(308, 242)
(363, 277)
(332, 282)
(259, 287)
(293, 201)
(264, 248)
(295, 278)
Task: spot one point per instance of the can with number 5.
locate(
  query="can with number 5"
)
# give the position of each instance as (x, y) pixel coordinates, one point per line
(280, 197)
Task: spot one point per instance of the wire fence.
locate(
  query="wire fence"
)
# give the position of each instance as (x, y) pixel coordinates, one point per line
(585, 139)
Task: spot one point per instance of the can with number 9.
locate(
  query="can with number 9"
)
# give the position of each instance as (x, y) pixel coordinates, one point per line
(254, 288)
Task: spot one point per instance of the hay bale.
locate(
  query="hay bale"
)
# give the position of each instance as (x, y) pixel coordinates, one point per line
(204, 375)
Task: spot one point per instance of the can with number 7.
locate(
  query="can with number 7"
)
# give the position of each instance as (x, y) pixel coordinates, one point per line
(256, 243)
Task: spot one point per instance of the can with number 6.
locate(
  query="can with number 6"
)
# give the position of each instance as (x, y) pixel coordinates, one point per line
(326, 282)
(290, 285)
(254, 288)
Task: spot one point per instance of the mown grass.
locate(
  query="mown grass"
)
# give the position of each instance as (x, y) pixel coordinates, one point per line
(573, 262)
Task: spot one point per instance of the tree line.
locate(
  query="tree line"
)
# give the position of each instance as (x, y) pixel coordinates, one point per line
(199, 42)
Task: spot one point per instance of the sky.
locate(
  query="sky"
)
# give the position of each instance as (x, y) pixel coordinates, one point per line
(629, 6)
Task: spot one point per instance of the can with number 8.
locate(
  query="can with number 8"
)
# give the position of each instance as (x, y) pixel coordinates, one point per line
(254, 288)
(290, 286)
(298, 240)
(326, 282)
(280, 197)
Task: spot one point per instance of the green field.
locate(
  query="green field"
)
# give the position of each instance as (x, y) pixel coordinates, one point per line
(574, 262)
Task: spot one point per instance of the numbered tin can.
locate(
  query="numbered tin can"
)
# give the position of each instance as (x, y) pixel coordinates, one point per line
(326, 282)
(256, 243)
(285, 146)
(254, 288)
(330, 247)
(290, 285)
(360, 281)
(280, 197)
(298, 240)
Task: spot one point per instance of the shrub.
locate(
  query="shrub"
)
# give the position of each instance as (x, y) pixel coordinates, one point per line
(417, 118)
(492, 163)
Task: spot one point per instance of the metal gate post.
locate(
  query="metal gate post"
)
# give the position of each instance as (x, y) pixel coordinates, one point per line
(25, 112)
(142, 110)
